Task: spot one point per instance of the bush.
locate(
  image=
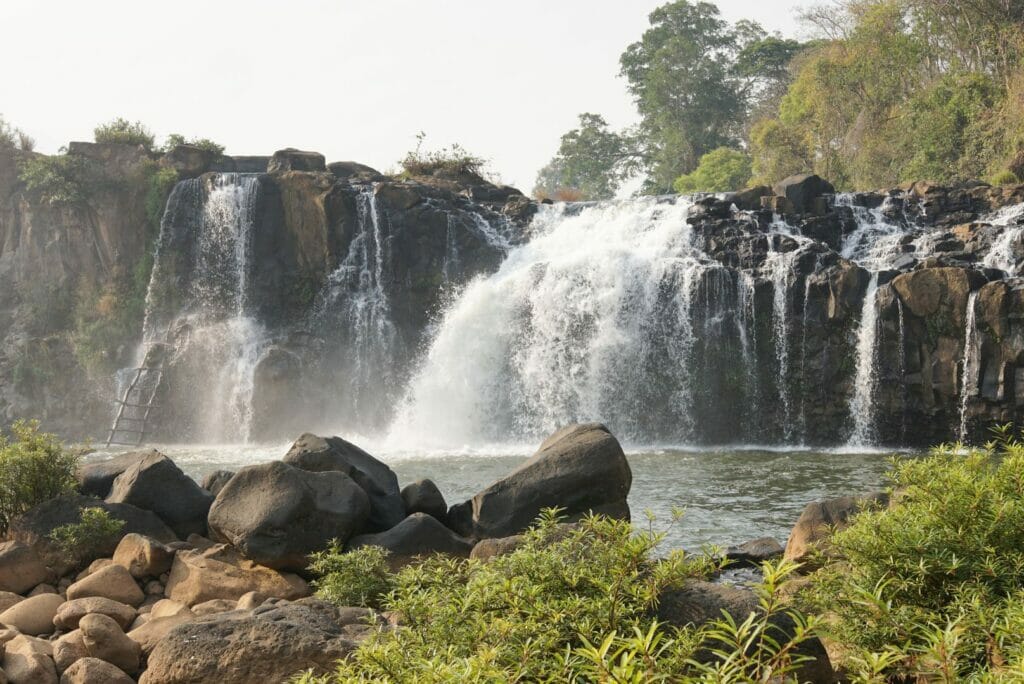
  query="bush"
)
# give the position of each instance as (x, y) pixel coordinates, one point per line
(1006, 177)
(448, 162)
(357, 578)
(720, 170)
(96, 529)
(60, 180)
(125, 132)
(934, 586)
(175, 139)
(34, 467)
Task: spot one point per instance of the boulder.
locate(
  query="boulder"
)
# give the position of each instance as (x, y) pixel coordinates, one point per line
(417, 536)
(29, 661)
(69, 648)
(148, 635)
(21, 568)
(580, 468)
(167, 607)
(215, 606)
(216, 480)
(113, 582)
(189, 161)
(277, 514)
(754, 552)
(8, 599)
(71, 613)
(35, 525)
(485, 549)
(820, 519)
(95, 478)
(156, 484)
(344, 170)
(749, 199)
(249, 163)
(105, 640)
(33, 616)
(265, 646)
(423, 496)
(319, 454)
(94, 671)
(291, 159)
(142, 556)
(802, 190)
(221, 573)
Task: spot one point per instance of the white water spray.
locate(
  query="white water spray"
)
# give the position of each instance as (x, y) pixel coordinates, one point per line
(866, 378)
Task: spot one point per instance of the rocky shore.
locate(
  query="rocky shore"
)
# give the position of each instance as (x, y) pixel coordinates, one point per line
(210, 582)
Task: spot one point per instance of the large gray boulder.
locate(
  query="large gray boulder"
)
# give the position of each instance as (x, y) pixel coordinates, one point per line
(291, 159)
(321, 454)
(21, 568)
(802, 191)
(268, 645)
(417, 536)
(95, 478)
(277, 514)
(155, 483)
(580, 468)
(423, 496)
(819, 520)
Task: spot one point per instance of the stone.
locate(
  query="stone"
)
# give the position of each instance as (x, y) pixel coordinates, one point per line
(215, 481)
(142, 556)
(580, 468)
(277, 514)
(42, 589)
(95, 478)
(96, 565)
(819, 520)
(113, 582)
(148, 635)
(423, 496)
(251, 601)
(71, 613)
(485, 549)
(344, 170)
(29, 661)
(268, 646)
(417, 536)
(105, 640)
(33, 616)
(21, 568)
(94, 671)
(189, 161)
(69, 648)
(220, 573)
(154, 588)
(754, 552)
(291, 159)
(215, 606)
(155, 483)
(167, 607)
(749, 199)
(802, 190)
(8, 599)
(319, 454)
(34, 527)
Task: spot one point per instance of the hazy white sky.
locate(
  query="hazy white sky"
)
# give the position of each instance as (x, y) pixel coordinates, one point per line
(353, 80)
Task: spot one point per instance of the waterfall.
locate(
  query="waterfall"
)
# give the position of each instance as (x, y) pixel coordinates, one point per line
(866, 378)
(1002, 254)
(969, 363)
(779, 267)
(201, 282)
(592, 319)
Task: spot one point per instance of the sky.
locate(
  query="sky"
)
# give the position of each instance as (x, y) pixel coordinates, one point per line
(353, 80)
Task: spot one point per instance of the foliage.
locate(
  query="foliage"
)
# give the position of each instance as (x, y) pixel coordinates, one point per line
(34, 467)
(44, 307)
(452, 162)
(60, 180)
(14, 138)
(175, 139)
(125, 132)
(1006, 177)
(570, 604)
(933, 588)
(357, 578)
(591, 162)
(96, 529)
(720, 170)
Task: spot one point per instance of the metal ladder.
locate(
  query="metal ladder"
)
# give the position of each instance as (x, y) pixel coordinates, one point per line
(129, 422)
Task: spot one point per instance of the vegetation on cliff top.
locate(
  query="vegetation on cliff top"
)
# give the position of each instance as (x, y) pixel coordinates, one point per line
(888, 91)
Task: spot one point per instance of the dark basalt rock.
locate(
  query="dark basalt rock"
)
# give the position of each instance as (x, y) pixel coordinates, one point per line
(291, 159)
(215, 481)
(417, 536)
(97, 477)
(155, 483)
(423, 496)
(802, 191)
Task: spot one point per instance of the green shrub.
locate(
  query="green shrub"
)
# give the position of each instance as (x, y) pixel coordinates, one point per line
(448, 162)
(1006, 177)
(125, 132)
(934, 586)
(720, 170)
(356, 578)
(58, 180)
(175, 139)
(96, 530)
(34, 467)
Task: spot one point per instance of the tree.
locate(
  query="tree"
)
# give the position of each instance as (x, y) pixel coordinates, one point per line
(680, 76)
(591, 162)
(720, 170)
(125, 132)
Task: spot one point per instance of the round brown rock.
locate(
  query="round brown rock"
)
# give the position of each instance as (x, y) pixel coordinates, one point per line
(33, 616)
(113, 582)
(105, 640)
(71, 613)
(94, 671)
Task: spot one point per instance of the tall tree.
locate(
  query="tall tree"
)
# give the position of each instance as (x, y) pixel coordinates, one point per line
(591, 162)
(680, 76)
